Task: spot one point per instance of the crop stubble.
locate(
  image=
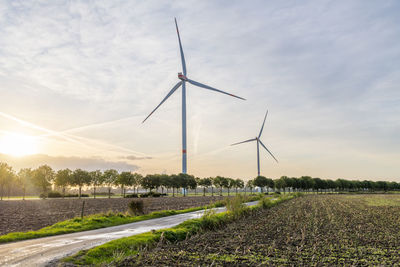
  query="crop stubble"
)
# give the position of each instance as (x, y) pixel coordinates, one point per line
(312, 230)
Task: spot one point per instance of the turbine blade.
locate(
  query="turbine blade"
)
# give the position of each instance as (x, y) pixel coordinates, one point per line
(268, 150)
(250, 140)
(262, 128)
(211, 88)
(181, 50)
(165, 98)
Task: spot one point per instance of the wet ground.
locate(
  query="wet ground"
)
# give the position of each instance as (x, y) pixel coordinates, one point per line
(39, 252)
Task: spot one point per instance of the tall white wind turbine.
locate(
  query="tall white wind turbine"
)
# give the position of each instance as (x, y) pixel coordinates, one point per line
(183, 79)
(257, 138)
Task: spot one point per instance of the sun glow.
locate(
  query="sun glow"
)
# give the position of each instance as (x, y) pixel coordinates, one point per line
(16, 144)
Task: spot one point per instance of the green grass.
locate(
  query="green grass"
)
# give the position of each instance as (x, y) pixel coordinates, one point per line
(382, 200)
(97, 221)
(130, 246)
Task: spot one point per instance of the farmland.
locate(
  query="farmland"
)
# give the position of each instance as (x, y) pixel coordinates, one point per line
(35, 214)
(311, 230)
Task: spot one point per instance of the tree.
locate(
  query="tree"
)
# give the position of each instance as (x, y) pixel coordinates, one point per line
(6, 173)
(24, 178)
(306, 182)
(250, 184)
(287, 183)
(192, 183)
(331, 184)
(63, 179)
(174, 180)
(166, 181)
(11, 182)
(230, 183)
(42, 178)
(205, 183)
(125, 179)
(280, 183)
(342, 184)
(197, 179)
(212, 188)
(318, 184)
(261, 182)
(137, 179)
(186, 181)
(97, 179)
(110, 177)
(151, 181)
(238, 184)
(219, 182)
(80, 178)
(270, 184)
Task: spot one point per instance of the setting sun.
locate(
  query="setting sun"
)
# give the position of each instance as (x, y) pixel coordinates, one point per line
(16, 144)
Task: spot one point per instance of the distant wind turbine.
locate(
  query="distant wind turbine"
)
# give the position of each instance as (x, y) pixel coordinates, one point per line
(183, 79)
(257, 138)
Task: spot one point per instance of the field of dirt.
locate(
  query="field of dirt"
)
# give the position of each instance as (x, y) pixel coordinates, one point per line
(319, 230)
(25, 215)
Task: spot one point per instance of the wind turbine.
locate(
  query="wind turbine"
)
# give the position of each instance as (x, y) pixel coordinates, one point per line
(257, 138)
(183, 79)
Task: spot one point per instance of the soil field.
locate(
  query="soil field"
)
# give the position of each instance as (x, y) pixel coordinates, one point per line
(314, 230)
(35, 214)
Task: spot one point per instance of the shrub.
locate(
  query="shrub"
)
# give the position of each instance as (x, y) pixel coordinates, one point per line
(153, 194)
(76, 195)
(136, 207)
(132, 196)
(235, 206)
(54, 194)
(43, 195)
(104, 194)
(266, 203)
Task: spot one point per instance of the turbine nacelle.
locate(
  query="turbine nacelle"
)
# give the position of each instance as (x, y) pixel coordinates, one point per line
(182, 77)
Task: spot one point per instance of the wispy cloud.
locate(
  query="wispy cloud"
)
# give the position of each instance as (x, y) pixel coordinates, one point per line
(327, 70)
(133, 157)
(60, 162)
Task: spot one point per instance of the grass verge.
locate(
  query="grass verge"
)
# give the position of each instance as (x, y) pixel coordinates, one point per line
(119, 249)
(102, 220)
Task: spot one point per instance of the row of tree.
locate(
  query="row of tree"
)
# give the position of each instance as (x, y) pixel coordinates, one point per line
(44, 177)
(307, 183)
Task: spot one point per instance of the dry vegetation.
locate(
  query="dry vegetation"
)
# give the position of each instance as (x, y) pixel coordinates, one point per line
(313, 230)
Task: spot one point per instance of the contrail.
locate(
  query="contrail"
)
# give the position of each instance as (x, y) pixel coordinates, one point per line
(67, 137)
(100, 124)
(36, 127)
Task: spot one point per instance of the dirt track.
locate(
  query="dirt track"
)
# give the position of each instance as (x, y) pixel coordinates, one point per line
(35, 214)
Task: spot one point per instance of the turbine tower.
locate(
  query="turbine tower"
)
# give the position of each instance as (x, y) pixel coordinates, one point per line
(183, 79)
(257, 138)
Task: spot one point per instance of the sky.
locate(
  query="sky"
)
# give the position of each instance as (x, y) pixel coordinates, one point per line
(77, 78)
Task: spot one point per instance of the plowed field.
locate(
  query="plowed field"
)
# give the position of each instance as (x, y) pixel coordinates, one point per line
(317, 230)
(24, 215)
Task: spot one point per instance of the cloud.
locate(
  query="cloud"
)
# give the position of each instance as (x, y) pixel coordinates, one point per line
(133, 157)
(326, 70)
(59, 162)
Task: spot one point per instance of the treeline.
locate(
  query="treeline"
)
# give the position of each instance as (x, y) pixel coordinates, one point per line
(307, 183)
(44, 178)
